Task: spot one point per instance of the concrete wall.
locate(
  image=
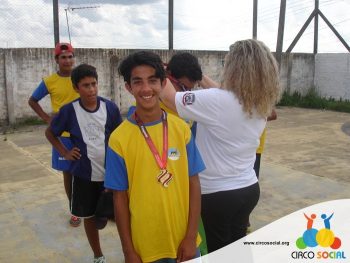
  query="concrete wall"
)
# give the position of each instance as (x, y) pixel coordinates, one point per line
(332, 75)
(22, 69)
(3, 100)
(297, 72)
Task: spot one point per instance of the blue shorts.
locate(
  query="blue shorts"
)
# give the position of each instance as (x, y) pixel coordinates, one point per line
(58, 161)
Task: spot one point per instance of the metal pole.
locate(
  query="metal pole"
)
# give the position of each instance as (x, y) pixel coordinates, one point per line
(279, 45)
(334, 30)
(171, 24)
(289, 49)
(255, 19)
(316, 27)
(56, 22)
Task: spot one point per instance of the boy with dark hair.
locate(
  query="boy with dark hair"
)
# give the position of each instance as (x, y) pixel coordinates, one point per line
(184, 71)
(152, 168)
(59, 87)
(90, 120)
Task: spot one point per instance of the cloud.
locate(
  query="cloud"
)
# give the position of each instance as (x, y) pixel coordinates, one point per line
(20, 28)
(132, 27)
(92, 10)
(114, 2)
(198, 24)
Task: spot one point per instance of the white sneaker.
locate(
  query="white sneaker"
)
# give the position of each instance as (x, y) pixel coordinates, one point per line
(100, 260)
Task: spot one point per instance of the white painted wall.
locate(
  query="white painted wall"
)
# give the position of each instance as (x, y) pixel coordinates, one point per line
(332, 75)
(3, 100)
(299, 69)
(22, 69)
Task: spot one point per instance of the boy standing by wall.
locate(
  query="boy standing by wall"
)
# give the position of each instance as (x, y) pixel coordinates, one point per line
(59, 87)
(90, 120)
(152, 167)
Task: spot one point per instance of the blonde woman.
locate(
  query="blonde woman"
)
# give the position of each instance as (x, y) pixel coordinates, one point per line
(230, 121)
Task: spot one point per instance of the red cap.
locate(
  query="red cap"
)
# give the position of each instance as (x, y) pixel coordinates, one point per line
(62, 48)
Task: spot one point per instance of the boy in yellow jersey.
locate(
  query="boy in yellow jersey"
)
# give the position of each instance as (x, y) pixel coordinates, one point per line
(152, 167)
(185, 73)
(59, 87)
(260, 149)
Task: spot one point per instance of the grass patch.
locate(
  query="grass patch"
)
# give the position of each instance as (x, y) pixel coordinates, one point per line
(313, 101)
(20, 125)
(30, 121)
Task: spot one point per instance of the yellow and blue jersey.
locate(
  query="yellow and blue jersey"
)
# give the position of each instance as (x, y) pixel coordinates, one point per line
(260, 149)
(60, 89)
(131, 167)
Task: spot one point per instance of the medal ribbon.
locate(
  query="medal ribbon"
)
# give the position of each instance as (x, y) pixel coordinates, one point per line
(178, 83)
(162, 162)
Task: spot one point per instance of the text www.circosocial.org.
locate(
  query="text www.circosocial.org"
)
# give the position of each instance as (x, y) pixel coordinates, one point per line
(266, 243)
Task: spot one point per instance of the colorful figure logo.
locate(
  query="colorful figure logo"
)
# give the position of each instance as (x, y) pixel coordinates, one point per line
(173, 154)
(323, 237)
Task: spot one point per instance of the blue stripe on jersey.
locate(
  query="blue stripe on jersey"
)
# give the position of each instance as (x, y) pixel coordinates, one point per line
(63, 120)
(131, 110)
(195, 162)
(116, 176)
(40, 92)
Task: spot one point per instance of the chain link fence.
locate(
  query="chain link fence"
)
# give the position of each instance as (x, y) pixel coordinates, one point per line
(86, 24)
(25, 24)
(143, 24)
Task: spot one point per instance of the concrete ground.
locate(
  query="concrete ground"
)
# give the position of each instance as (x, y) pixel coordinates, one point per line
(306, 161)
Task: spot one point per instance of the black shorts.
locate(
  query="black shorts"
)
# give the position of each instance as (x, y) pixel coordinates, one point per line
(85, 195)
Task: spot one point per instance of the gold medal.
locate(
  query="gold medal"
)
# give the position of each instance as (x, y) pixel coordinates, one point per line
(164, 177)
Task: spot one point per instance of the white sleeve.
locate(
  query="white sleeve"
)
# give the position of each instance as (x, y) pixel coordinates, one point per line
(199, 105)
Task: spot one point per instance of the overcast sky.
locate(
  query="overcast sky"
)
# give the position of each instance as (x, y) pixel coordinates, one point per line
(198, 24)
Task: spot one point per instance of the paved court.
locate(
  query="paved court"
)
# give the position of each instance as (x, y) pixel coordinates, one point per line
(306, 161)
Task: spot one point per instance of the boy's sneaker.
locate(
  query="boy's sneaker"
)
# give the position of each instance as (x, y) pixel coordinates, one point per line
(101, 259)
(74, 221)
